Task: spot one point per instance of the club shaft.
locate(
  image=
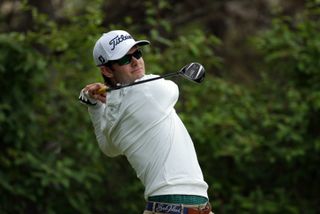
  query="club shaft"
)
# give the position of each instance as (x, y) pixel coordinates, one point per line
(143, 81)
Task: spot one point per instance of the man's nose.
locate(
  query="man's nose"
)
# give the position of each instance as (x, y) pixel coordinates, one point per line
(134, 60)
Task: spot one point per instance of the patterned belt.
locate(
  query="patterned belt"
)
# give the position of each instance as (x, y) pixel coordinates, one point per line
(178, 208)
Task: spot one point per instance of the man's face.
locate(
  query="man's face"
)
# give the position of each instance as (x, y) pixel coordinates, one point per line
(128, 73)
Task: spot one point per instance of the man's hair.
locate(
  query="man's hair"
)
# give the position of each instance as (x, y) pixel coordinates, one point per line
(108, 81)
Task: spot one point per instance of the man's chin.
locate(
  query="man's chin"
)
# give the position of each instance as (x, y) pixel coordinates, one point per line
(139, 74)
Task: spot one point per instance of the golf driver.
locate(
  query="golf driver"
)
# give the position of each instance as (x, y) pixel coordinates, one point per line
(194, 72)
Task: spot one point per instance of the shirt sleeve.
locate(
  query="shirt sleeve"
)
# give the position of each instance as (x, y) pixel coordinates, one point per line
(165, 92)
(96, 115)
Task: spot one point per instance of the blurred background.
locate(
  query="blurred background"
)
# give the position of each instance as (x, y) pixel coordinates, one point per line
(254, 121)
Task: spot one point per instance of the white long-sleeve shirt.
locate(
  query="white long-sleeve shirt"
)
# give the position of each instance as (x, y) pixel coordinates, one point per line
(141, 123)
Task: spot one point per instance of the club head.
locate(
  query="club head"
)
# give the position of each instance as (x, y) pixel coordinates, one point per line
(193, 71)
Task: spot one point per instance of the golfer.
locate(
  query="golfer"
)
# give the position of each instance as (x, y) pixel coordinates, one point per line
(141, 123)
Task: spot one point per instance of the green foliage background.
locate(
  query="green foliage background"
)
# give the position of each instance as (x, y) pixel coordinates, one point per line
(258, 143)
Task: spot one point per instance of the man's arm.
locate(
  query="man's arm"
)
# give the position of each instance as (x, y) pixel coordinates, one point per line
(106, 146)
(96, 108)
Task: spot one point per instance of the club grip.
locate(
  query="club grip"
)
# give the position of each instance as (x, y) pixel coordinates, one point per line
(102, 89)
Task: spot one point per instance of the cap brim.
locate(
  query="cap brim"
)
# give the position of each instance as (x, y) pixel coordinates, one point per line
(125, 51)
(142, 42)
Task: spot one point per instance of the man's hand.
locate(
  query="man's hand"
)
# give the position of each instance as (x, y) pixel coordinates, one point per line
(93, 93)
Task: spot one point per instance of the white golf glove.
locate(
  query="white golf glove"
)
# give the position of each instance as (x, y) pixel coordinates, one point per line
(85, 99)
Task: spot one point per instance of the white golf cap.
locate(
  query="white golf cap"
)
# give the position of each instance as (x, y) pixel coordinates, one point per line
(114, 45)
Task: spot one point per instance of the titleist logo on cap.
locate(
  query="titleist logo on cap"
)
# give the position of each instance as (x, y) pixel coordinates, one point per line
(118, 39)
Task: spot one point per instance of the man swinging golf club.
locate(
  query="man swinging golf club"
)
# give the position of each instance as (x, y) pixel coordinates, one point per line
(141, 123)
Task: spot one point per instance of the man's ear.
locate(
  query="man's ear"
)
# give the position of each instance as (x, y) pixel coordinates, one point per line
(106, 71)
